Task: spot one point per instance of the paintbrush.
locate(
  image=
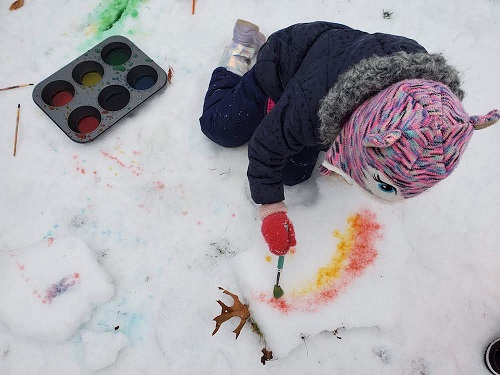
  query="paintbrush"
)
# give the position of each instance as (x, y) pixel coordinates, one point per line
(278, 291)
(15, 87)
(17, 128)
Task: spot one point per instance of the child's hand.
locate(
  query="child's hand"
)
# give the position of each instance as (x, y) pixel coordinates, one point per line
(278, 232)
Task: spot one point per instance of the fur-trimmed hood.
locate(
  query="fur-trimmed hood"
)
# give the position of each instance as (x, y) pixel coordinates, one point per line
(374, 74)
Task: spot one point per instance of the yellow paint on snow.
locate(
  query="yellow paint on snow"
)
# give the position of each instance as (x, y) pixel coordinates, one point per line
(333, 270)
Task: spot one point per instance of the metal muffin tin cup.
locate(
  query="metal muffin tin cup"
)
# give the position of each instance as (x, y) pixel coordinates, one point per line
(99, 88)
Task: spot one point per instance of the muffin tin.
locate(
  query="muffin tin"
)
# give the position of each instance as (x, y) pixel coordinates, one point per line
(99, 88)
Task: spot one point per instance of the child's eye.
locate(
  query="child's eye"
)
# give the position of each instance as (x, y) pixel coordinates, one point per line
(383, 186)
(386, 188)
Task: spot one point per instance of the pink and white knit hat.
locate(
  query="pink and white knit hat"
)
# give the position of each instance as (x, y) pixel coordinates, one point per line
(405, 139)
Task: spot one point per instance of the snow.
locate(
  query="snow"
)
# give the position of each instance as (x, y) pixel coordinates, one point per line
(335, 297)
(102, 348)
(157, 214)
(49, 289)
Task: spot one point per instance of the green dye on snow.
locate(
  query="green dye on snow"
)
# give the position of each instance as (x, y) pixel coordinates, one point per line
(115, 11)
(109, 18)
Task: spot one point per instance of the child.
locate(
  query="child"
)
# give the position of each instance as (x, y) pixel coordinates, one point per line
(388, 113)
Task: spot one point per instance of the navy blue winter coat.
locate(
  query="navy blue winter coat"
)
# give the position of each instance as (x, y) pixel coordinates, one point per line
(296, 67)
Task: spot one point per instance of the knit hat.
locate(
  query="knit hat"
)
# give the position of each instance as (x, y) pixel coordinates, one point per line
(404, 140)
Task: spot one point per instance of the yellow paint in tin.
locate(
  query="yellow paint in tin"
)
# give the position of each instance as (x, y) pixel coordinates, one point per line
(91, 79)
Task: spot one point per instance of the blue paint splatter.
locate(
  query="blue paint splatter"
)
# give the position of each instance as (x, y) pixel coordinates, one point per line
(119, 313)
(50, 233)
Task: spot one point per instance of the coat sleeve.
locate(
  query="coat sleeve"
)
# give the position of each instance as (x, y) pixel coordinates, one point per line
(285, 131)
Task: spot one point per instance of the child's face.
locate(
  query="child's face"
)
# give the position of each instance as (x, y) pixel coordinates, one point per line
(381, 186)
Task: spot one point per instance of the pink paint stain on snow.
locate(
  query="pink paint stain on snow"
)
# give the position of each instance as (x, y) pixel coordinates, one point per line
(158, 185)
(133, 167)
(77, 165)
(53, 290)
(60, 287)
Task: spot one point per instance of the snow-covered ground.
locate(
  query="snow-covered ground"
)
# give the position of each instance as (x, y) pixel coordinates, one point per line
(112, 252)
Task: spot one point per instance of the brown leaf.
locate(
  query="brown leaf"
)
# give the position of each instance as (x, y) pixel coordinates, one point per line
(170, 74)
(16, 5)
(237, 310)
(267, 355)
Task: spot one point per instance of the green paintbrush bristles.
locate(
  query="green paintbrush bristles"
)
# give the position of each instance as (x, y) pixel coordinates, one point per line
(277, 291)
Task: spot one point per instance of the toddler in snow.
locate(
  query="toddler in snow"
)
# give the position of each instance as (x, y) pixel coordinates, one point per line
(387, 113)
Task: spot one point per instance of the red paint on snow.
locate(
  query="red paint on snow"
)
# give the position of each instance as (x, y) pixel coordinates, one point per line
(360, 237)
(134, 168)
(281, 304)
(366, 230)
(109, 156)
(159, 185)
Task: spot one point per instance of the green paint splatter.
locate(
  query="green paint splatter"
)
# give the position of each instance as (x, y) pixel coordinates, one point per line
(119, 67)
(109, 18)
(116, 11)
